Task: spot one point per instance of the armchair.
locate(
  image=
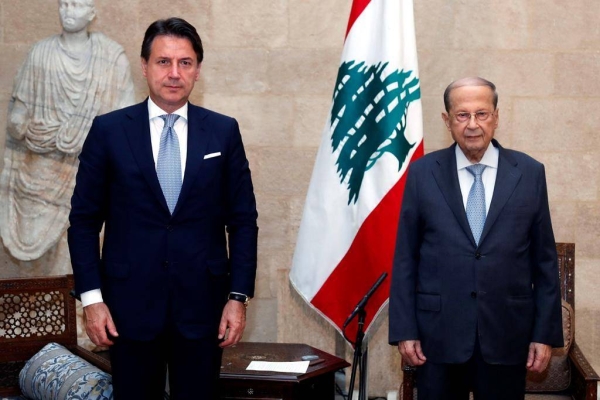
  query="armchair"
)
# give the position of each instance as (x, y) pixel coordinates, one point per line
(33, 313)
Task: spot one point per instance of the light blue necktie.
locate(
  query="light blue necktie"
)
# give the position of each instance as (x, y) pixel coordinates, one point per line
(168, 164)
(476, 202)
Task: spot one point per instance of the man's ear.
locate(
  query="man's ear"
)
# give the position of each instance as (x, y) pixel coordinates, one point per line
(446, 119)
(198, 72)
(497, 118)
(144, 64)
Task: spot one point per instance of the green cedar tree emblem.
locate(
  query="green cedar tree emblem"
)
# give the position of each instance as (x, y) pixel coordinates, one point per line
(368, 119)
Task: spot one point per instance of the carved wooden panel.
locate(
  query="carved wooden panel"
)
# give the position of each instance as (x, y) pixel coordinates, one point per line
(34, 312)
(30, 314)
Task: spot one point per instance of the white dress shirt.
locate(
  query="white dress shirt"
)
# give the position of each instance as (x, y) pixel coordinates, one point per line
(488, 177)
(180, 127)
(156, 127)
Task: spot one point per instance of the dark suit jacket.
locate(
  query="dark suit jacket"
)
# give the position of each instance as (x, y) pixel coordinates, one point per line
(157, 268)
(445, 289)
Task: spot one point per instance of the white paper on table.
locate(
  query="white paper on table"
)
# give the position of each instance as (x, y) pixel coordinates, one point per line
(298, 367)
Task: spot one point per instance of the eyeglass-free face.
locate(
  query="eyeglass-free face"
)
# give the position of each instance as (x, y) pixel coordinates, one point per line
(472, 120)
(171, 71)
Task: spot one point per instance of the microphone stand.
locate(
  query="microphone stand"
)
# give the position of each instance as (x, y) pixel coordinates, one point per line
(360, 354)
(359, 360)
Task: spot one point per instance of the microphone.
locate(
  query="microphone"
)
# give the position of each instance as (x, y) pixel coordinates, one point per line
(361, 304)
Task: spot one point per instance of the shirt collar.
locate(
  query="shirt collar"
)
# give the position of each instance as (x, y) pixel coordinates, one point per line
(490, 157)
(155, 111)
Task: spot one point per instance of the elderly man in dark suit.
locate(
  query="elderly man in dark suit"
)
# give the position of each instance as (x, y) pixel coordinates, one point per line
(475, 299)
(170, 183)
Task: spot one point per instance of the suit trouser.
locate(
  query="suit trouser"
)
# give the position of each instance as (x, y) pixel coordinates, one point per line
(139, 368)
(455, 381)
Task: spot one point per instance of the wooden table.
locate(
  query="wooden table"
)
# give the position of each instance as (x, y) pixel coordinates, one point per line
(318, 383)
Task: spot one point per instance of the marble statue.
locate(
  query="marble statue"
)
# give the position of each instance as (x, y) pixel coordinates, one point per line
(66, 80)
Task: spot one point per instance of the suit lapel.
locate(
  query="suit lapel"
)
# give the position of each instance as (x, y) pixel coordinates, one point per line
(507, 178)
(198, 138)
(137, 129)
(446, 177)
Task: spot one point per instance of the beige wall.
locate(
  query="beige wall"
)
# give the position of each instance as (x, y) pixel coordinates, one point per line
(272, 65)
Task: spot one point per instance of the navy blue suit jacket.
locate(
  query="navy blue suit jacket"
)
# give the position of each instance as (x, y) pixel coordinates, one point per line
(157, 268)
(445, 289)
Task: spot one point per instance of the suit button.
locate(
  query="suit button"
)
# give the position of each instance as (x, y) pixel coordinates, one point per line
(477, 256)
(165, 264)
(473, 295)
(169, 228)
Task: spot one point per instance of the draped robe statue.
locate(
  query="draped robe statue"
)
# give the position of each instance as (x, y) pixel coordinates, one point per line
(57, 93)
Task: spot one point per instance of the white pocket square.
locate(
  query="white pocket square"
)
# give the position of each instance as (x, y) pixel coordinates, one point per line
(211, 155)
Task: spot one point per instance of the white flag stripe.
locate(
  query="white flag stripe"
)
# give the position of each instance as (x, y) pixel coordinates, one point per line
(366, 41)
(321, 238)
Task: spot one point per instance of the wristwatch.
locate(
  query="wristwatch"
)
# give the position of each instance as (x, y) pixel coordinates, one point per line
(242, 298)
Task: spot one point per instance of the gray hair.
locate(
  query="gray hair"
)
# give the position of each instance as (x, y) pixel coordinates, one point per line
(469, 81)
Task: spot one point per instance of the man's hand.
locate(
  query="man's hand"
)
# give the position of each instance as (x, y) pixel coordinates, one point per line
(234, 320)
(539, 357)
(411, 352)
(97, 321)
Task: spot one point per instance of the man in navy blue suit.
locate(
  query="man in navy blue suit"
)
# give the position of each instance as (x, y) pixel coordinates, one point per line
(475, 295)
(178, 261)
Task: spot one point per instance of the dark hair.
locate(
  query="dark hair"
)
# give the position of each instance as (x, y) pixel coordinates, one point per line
(172, 27)
(471, 81)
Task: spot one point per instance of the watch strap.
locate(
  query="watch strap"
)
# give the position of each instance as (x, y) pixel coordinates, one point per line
(242, 298)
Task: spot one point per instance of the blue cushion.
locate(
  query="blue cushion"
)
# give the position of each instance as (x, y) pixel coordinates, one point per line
(54, 373)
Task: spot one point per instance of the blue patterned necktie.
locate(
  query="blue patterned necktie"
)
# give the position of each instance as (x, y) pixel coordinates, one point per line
(476, 202)
(168, 164)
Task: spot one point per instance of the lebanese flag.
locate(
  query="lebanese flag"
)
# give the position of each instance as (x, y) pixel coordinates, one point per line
(375, 129)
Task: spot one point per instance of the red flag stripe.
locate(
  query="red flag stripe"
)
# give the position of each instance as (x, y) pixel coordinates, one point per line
(371, 254)
(358, 7)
